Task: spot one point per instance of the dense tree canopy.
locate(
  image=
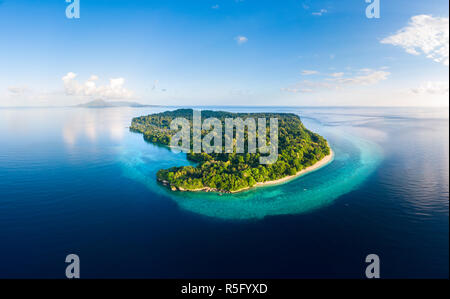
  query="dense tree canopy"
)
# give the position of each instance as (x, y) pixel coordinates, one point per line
(298, 148)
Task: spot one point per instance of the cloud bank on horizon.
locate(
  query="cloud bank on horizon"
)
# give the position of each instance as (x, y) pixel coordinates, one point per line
(338, 81)
(89, 89)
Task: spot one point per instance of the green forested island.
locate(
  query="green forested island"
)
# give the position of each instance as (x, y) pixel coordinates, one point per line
(298, 148)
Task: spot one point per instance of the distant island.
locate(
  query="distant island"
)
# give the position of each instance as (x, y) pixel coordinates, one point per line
(299, 151)
(107, 104)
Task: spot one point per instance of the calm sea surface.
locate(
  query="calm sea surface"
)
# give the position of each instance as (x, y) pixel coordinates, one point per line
(75, 180)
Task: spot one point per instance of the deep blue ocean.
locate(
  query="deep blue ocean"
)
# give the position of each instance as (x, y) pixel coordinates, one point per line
(76, 180)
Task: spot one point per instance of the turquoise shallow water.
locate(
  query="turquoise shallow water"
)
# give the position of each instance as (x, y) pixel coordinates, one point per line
(354, 160)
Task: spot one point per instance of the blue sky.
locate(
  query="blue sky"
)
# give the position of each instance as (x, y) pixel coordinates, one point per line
(224, 52)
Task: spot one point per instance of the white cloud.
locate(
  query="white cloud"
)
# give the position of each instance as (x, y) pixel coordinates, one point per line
(423, 35)
(309, 72)
(338, 81)
(372, 77)
(432, 87)
(297, 90)
(93, 78)
(215, 6)
(337, 75)
(320, 12)
(18, 90)
(241, 39)
(114, 90)
(365, 70)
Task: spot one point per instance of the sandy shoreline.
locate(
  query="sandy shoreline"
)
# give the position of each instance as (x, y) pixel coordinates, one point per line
(319, 164)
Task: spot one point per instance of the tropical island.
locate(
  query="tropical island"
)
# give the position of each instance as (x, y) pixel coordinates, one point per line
(299, 151)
